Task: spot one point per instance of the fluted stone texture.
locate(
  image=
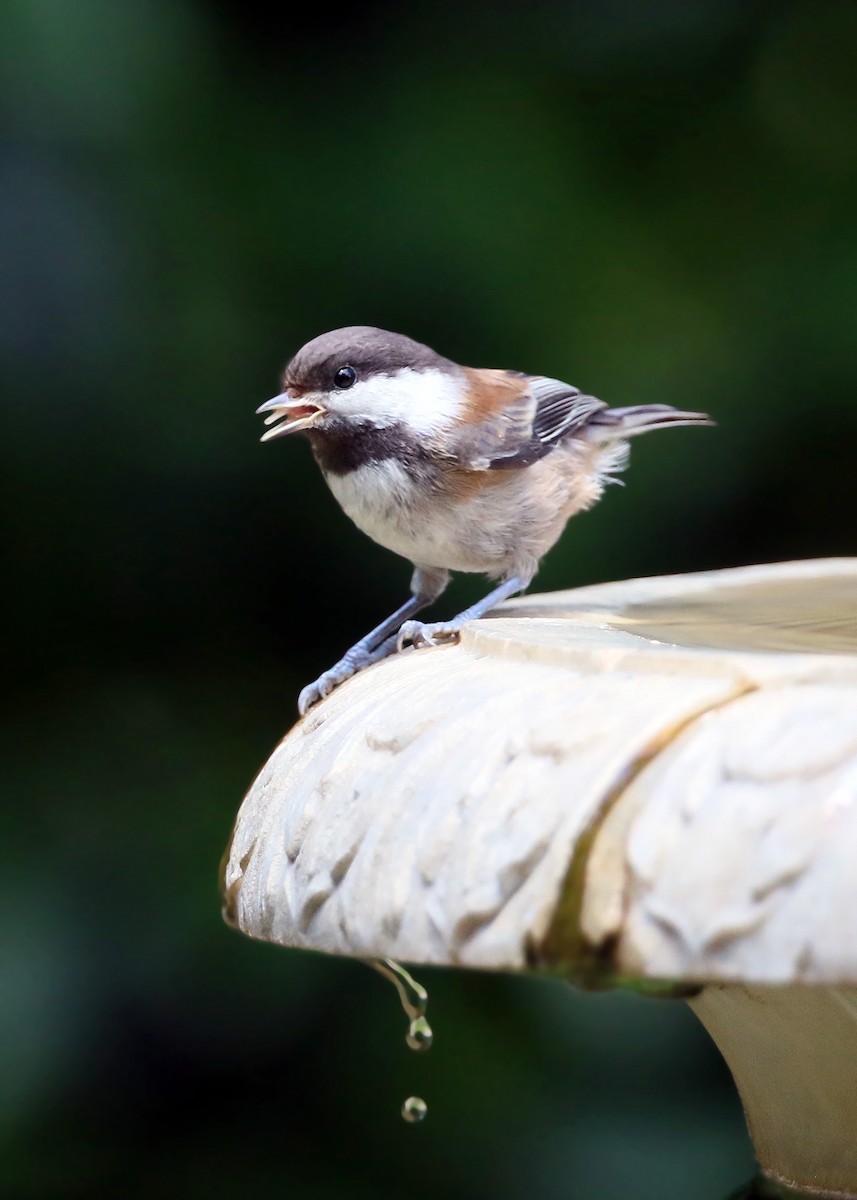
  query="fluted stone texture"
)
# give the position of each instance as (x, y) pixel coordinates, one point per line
(654, 779)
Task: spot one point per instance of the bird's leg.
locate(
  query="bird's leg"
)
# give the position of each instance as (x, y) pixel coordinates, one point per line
(426, 585)
(417, 633)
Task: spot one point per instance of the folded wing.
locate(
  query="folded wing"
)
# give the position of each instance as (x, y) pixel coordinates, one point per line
(531, 415)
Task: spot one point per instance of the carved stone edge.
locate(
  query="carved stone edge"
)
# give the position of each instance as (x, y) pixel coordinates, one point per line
(791, 1045)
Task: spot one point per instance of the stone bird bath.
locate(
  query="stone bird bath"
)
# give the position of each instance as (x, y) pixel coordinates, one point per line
(649, 781)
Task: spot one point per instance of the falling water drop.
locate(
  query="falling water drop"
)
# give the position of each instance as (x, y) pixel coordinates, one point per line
(414, 998)
(414, 1109)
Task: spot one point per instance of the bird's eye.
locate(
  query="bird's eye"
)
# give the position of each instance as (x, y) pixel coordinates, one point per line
(344, 377)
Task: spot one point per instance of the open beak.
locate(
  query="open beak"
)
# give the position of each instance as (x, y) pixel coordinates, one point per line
(287, 415)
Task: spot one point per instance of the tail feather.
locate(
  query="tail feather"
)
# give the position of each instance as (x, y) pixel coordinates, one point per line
(642, 418)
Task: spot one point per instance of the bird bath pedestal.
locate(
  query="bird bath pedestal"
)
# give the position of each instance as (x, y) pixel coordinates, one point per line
(652, 781)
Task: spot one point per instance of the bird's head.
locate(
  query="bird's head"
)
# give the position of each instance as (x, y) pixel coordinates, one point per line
(361, 376)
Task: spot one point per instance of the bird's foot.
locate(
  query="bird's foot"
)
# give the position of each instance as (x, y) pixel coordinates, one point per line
(355, 660)
(422, 633)
(324, 685)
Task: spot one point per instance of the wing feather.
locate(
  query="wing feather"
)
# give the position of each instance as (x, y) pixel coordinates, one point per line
(560, 409)
(527, 425)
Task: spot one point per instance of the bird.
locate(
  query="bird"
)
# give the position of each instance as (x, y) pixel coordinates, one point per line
(457, 469)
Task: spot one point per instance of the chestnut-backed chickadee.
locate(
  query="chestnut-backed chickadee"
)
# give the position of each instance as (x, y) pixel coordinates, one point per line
(454, 468)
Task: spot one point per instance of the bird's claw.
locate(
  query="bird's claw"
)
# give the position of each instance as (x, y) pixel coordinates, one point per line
(421, 633)
(411, 633)
(322, 687)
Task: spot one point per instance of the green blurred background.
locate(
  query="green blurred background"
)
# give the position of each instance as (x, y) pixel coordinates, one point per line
(654, 200)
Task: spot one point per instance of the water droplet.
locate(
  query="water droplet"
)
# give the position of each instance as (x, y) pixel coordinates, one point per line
(414, 1109)
(414, 998)
(413, 995)
(419, 1036)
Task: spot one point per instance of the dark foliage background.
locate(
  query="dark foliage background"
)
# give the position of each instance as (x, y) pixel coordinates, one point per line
(653, 200)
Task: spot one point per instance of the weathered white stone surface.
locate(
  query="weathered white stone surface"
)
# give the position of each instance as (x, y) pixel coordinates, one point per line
(432, 807)
(429, 810)
(737, 846)
(652, 779)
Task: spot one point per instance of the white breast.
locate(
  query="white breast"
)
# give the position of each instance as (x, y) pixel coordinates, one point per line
(379, 497)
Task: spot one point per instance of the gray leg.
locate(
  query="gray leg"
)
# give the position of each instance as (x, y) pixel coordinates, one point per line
(416, 633)
(426, 585)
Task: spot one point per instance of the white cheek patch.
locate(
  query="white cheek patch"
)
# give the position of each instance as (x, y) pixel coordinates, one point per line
(425, 401)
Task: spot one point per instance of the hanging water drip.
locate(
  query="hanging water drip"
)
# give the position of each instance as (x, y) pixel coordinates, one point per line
(414, 998)
(419, 1036)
